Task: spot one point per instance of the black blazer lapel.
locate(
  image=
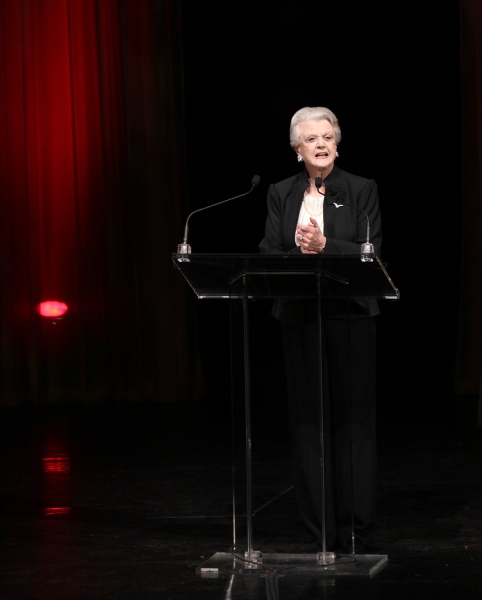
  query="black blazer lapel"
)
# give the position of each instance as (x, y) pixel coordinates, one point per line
(293, 206)
(329, 208)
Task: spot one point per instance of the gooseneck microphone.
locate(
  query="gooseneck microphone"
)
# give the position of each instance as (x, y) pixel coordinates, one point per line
(367, 249)
(184, 249)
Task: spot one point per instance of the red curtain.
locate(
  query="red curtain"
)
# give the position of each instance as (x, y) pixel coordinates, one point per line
(90, 172)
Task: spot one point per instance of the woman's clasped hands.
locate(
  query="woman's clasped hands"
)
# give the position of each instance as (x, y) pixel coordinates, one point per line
(310, 237)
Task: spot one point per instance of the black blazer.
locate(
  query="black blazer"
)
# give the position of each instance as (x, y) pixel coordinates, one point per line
(344, 227)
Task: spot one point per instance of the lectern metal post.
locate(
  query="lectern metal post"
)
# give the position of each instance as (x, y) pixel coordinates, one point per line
(324, 557)
(250, 554)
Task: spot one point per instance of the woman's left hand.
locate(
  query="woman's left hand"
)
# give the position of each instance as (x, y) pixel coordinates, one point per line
(310, 237)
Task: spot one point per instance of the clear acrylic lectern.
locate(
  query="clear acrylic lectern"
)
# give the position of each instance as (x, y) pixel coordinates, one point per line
(247, 277)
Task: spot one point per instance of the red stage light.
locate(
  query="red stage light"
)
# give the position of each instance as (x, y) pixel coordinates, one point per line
(57, 510)
(57, 464)
(52, 309)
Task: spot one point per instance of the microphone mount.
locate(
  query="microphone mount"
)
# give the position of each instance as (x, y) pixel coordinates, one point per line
(184, 249)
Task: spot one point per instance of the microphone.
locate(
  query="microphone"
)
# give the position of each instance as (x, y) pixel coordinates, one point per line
(184, 249)
(367, 249)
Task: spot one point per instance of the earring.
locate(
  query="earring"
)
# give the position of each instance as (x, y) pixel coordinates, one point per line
(299, 158)
(337, 154)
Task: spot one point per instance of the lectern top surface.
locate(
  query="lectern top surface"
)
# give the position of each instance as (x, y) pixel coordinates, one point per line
(285, 276)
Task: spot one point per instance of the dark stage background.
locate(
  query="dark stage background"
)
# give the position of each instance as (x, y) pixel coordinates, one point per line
(392, 76)
(163, 108)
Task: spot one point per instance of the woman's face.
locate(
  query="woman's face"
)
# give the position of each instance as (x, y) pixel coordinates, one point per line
(317, 145)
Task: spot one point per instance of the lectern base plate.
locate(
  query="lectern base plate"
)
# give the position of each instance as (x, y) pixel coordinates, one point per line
(358, 565)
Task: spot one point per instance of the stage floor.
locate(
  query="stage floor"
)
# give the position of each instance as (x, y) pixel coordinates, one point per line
(128, 501)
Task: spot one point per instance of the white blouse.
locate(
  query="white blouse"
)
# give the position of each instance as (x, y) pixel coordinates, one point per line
(312, 206)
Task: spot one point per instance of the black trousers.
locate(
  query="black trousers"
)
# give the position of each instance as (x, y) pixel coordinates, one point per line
(349, 389)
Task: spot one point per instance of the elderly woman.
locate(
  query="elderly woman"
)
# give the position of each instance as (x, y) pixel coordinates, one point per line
(305, 217)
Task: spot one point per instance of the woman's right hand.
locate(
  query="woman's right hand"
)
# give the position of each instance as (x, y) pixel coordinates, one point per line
(310, 237)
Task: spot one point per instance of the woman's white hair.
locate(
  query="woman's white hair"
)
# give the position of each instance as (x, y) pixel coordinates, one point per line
(312, 113)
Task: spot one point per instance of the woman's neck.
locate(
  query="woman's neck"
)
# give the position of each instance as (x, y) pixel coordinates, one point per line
(323, 173)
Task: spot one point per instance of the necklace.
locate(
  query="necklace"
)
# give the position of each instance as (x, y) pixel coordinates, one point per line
(313, 213)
